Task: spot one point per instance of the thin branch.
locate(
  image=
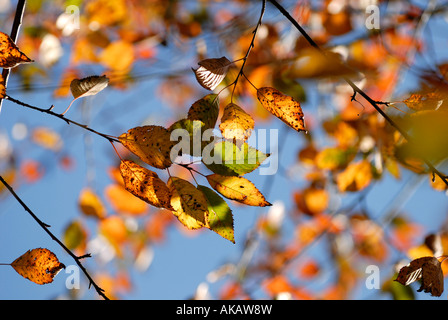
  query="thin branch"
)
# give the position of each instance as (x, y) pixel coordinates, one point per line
(252, 44)
(356, 89)
(14, 34)
(45, 227)
(60, 116)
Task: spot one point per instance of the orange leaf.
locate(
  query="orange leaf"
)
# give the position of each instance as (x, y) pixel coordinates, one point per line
(2, 87)
(123, 201)
(10, 55)
(355, 177)
(38, 265)
(118, 56)
(91, 204)
(282, 106)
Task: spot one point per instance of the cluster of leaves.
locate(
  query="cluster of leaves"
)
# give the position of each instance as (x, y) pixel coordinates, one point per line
(359, 149)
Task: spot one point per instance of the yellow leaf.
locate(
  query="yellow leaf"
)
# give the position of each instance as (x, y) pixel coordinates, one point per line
(105, 12)
(150, 143)
(236, 123)
(90, 204)
(206, 110)
(38, 265)
(145, 184)
(237, 188)
(355, 177)
(47, 138)
(189, 203)
(282, 106)
(118, 56)
(10, 55)
(123, 201)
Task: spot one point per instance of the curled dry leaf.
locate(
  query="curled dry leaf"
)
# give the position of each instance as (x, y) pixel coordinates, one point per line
(429, 269)
(10, 55)
(211, 72)
(236, 123)
(282, 106)
(145, 184)
(88, 86)
(38, 265)
(152, 144)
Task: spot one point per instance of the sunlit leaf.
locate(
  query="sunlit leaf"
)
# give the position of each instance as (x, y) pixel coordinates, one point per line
(355, 177)
(189, 203)
(10, 55)
(75, 236)
(150, 143)
(47, 138)
(227, 158)
(238, 189)
(428, 269)
(206, 110)
(211, 72)
(145, 184)
(236, 123)
(220, 218)
(2, 87)
(90, 204)
(38, 265)
(283, 107)
(123, 201)
(118, 56)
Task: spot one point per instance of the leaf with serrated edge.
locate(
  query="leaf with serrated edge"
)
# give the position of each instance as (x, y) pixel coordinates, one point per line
(145, 184)
(236, 123)
(189, 203)
(238, 189)
(282, 106)
(211, 72)
(227, 158)
(38, 265)
(10, 55)
(150, 143)
(220, 219)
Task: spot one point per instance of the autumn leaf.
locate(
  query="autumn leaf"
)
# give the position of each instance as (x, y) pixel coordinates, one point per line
(150, 143)
(10, 55)
(75, 236)
(145, 184)
(38, 265)
(85, 87)
(47, 138)
(227, 158)
(355, 177)
(206, 110)
(189, 203)
(428, 269)
(211, 72)
(237, 188)
(2, 87)
(424, 101)
(220, 219)
(282, 106)
(90, 204)
(236, 123)
(118, 56)
(189, 135)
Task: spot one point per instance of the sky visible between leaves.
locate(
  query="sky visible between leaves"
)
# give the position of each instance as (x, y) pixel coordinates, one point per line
(181, 263)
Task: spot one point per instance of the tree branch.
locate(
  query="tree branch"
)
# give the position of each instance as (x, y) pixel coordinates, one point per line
(356, 89)
(45, 227)
(14, 34)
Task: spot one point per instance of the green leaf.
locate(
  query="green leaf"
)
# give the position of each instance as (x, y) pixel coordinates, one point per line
(189, 135)
(220, 217)
(227, 158)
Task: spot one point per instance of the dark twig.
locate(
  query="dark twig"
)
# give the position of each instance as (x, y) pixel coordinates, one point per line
(356, 89)
(60, 116)
(14, 34)
(45, 227)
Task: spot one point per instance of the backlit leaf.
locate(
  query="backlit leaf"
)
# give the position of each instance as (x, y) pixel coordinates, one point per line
(428, 269)
(189, 203)
(211, 72)
(227, 158)
(220, 218)
(150, 143)
(206, 110)
(236, 123)
(90, 204)
(75, 236)
(238, 189)
(189, 135)
(10, 55)
(123, 201)
(282, 106)
(145, 184)
(38, 265)
(355, 177)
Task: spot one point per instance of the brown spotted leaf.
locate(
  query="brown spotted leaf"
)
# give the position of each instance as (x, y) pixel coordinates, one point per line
(2, 87)
(38, 265)
(282, 106)
(150, 143)
(429, 270)
(10, 55)
(145, 184)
